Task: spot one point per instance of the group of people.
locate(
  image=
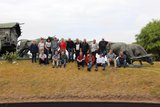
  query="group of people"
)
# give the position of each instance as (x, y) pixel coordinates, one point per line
(55, 51)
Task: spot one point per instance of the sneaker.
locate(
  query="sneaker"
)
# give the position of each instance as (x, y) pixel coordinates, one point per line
(96, 69)
(78, 68)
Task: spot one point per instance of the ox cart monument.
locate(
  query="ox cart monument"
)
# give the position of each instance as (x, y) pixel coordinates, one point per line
(9, 34)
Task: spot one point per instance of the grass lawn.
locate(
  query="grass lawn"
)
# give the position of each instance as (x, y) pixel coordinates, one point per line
(25, 81)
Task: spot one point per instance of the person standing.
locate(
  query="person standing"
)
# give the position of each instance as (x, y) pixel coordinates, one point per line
(34, 50)
(77, 47)
(94, 48)
(41, 45)
(54, 45)
(85, 47)
(63, 45)
(48, 48)
(103, 47)
(70, 49)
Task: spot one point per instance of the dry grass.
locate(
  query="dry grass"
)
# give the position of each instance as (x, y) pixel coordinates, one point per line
(26, 82)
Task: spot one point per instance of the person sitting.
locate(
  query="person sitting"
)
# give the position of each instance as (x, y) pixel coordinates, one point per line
(55, 59)
(80, 60)
(100, 62)
(90, 59)
(121, 60)
(111, 57)
(63, 59)
(42, 58)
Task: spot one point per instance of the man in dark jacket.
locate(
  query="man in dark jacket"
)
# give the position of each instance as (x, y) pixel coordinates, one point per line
(34, 50)
(85, 47)
(103, 47)
(70, 49)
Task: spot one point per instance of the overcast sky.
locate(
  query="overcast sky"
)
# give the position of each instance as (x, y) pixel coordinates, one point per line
(114, 20)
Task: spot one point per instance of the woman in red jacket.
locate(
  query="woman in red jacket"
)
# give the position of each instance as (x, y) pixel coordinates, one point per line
(90, 60)
(62, 45)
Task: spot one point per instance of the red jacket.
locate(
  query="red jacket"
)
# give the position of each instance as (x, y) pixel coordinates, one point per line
(62, 45)
(87, 59)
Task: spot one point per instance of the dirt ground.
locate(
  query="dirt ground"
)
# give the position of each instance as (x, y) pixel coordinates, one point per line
(27, 82)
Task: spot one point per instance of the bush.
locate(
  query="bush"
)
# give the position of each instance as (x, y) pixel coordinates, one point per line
(10, 57)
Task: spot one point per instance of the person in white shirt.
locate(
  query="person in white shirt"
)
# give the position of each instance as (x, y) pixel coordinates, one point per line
(94, 48)
(41, 45)
(42, 58)
(48, 49)
(100, 62)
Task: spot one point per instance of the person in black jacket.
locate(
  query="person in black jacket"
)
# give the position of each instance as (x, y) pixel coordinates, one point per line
(70, 49)
(34, 50)
(103, 47)
(85, 47)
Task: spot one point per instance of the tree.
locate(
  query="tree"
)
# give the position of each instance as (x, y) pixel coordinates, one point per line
(149, 37)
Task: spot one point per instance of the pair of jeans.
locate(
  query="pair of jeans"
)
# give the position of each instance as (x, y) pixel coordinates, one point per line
(77, 54)
(47, 54)
(70, 54)
(63, 61)
(53, 51)
(90, 66)
(103, 52)
(121, 63)
(34, 57)
(100, 64)
(42, 61)
(80, 64)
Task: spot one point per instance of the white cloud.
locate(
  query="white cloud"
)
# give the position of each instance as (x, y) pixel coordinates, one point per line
(116, 20)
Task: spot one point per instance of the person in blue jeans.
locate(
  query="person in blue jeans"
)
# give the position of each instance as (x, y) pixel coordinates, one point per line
(121, 60)
(90, 59)
(34, 51)
(70, 49)
(63, 59)
(54, 45)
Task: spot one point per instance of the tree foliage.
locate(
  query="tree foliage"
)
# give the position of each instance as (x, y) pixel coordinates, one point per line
(149, 37)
